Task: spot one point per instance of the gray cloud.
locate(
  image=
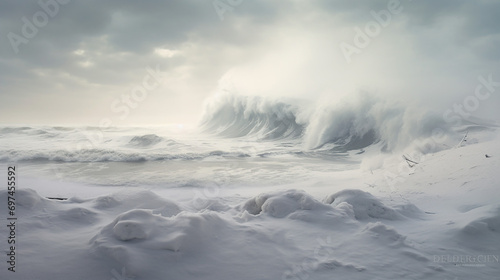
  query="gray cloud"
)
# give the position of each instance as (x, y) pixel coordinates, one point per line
(92, 52)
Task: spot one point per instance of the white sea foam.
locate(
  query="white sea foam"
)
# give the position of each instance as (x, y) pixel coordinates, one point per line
(348, 124)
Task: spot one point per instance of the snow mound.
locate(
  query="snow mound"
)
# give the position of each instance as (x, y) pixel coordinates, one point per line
(211, 204)
(78, 215)
(385, 234)
(133, 225)
(366, 206)
(141, 230)
(484, 225)
(144, 199)
(283, 203)
(28, 198)
(105, 202)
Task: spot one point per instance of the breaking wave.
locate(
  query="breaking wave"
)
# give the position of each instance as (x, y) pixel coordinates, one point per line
(356, 123)
(237, 116)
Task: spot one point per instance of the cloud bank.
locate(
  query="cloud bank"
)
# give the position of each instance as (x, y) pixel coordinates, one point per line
(78, 62)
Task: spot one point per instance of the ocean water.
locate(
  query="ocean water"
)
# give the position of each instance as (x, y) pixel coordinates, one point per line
(240, 141)
(169, 157)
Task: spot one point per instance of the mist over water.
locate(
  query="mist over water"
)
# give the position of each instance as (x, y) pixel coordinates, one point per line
(344, 124)
(249, 137)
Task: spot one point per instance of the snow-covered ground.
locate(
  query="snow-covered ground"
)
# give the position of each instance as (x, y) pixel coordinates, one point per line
(439, 219)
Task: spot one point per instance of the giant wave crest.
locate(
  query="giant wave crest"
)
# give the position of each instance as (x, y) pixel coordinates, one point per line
(238, 116)
(355, 123)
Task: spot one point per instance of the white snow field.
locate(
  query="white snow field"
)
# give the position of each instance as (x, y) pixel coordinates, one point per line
(439, 219)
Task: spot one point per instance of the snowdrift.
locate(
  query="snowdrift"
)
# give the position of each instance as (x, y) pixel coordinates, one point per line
(366, 206)
(140, 235)
(449, 230)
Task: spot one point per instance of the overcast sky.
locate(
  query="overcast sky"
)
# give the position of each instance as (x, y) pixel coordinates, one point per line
(155, 62)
